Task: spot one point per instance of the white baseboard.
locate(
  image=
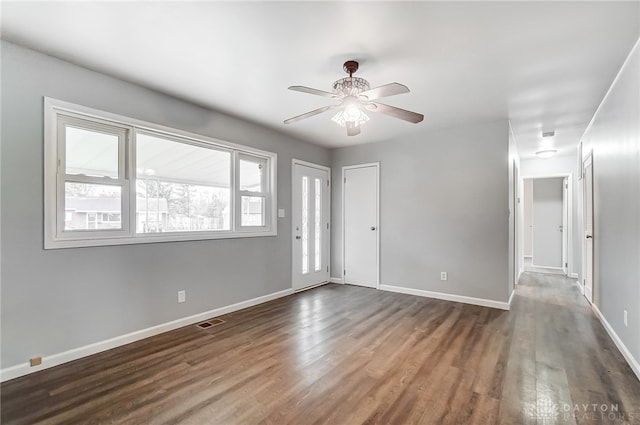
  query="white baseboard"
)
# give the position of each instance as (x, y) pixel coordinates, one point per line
(335, 280)
(97, 347)
(635, 366)
(573, 275)
(306, 288)
(513, 293)
(545, 267)
(580, 286)
(447, 297)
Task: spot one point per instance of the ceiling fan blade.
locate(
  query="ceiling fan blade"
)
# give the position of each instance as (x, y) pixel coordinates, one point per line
(390, 89)
(309, 90)
(310, 114)
(352, 129)
(403, 114)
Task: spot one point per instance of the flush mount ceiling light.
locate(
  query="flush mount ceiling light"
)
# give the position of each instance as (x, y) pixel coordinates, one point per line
(356, 97)
(547, 153)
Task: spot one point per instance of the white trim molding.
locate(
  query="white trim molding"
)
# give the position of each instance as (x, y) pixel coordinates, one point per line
(580, 286)
(97, 347)
(635, 366)
(513, 294)
(336, 280)
(447, 297)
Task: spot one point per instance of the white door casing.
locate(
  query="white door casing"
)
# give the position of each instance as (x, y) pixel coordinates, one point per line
(310, 224)
(360, 218)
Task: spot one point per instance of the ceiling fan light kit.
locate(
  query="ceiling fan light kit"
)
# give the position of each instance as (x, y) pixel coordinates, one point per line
(356, 95)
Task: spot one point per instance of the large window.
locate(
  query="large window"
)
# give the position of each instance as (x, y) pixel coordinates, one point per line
(114, 180)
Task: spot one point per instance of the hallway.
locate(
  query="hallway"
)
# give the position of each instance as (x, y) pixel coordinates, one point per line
(563, 368)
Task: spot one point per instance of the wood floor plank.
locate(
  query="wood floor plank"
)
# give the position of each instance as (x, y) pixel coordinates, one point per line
(341, 355)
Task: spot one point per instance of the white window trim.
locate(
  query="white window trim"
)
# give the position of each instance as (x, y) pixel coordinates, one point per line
(53, 239)
(122, 180)
(240, 193)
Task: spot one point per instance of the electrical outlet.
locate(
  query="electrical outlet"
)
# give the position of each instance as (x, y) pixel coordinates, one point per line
(36, 361)
(182, 296)
(443, 275)
(626, 324)
(280, 212)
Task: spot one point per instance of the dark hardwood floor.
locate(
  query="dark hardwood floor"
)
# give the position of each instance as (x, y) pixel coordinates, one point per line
(341, 354)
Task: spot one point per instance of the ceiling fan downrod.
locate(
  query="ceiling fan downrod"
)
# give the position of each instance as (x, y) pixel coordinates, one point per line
(350, 67)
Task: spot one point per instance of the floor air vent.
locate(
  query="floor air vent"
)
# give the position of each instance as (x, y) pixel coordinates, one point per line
(210, 323)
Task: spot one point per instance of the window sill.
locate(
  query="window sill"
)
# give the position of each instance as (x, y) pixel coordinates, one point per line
(156, 238)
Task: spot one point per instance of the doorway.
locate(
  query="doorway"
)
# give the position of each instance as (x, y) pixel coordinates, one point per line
(310, 224)
(547, 217)
(360, 206)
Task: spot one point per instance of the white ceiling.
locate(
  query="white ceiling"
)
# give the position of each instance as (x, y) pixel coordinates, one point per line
(543, 65)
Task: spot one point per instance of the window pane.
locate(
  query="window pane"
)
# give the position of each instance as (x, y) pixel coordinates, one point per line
(305, 224)
(85, 205)
(163, 206)
(172, 161)
(252, 211)
(181, 187)
(91, 153)
(251, 176)
(318, 225)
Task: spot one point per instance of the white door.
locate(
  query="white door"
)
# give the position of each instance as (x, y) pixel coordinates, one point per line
(360, 224)
(587, 186)
(565, 225)
(547, 223)
(516, 201)
(528, 217)
(310, 220)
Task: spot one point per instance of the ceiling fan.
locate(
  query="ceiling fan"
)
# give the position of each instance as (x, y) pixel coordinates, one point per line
(355, 96)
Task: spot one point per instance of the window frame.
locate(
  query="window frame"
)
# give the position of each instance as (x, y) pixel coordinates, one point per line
(100, 126)
(56, 111)
(256, 159)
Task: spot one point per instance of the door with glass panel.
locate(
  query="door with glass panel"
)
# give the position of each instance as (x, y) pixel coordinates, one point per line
(310, 220)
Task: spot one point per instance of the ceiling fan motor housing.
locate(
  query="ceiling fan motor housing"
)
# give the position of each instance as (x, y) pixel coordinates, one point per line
(350, 86)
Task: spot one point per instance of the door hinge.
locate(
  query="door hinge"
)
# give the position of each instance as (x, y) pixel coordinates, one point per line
(344, 272)
(327, 183)
(566, 264)
(345, 179)
(327, 226)
(327, 269)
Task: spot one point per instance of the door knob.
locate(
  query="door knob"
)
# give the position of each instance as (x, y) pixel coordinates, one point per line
(297, 237)
(373, 228)
(589, 237)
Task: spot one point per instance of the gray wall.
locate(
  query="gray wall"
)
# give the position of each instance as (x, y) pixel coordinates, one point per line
(564, 164)
(56, 300)
(444, 207)
(614, 136)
